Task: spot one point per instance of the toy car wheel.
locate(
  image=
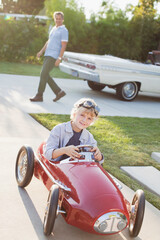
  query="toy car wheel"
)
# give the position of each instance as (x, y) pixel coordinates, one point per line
(127, 91)
(137, 213)
(96, 86)
(24, 166)
(51, 210)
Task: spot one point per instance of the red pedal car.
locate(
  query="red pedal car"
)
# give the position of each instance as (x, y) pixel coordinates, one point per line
(82, 191)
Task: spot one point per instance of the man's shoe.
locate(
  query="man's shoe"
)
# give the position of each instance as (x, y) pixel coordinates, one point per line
(59, 95)
(37, 98)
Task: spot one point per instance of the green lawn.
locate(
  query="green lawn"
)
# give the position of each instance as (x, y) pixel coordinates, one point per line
(28, 70)
(124, 141)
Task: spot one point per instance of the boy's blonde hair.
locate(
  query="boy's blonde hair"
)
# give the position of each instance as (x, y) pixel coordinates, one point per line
(79, 106)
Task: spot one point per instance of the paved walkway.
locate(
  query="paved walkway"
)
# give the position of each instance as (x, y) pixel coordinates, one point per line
(22, 211)
(18, 89)
(148, 176)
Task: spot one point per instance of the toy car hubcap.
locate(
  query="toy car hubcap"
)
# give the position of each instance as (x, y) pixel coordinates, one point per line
(22, 166)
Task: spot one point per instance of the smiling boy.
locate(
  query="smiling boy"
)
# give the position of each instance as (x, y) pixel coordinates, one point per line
(65, 137)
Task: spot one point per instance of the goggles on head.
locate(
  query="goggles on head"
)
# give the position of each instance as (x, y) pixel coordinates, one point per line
(88, 105)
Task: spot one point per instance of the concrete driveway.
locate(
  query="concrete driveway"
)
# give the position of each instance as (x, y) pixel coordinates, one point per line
(18, 89)
(22, 210)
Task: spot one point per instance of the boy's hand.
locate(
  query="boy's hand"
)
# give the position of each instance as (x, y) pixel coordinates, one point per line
(97, 154)
(72, 151)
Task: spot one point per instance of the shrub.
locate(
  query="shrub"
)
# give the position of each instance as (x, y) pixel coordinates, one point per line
(21, 39)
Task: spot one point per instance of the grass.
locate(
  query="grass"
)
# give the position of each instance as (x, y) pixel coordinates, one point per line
(29, 70)
(124, 141)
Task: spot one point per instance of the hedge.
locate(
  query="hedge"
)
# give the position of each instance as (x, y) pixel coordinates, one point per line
(21, 40)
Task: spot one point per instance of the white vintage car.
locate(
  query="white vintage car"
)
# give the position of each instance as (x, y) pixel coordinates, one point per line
(127, 77)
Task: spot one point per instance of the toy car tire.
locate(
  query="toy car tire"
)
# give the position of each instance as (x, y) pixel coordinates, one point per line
(51, 210)
(24, 166)
(136, 217)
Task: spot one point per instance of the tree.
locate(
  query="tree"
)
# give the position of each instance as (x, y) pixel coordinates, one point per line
(144, 17)
(22, 6)
(145, 8)
(114, 34)
(54, 5)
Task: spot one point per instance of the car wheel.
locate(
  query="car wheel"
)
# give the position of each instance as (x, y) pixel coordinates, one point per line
(24, 166)
(127, 91)
(137, 213)
(51, 210)
(96, 86)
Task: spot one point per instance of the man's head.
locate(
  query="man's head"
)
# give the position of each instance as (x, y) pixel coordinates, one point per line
(58, 18)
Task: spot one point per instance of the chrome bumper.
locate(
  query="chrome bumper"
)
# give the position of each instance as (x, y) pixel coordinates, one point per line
(79, 72)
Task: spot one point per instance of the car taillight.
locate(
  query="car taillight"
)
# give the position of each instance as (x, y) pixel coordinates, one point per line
(91, 66)
(80, 63)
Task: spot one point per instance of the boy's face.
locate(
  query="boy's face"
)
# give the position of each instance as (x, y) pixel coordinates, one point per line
(82, 119)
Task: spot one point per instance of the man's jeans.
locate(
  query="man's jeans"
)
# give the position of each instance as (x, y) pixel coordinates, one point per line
(45, 78)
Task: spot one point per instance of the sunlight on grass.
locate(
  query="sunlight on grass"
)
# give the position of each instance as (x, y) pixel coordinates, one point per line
(116, 144)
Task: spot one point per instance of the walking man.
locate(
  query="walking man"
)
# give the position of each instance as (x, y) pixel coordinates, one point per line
(54, 49)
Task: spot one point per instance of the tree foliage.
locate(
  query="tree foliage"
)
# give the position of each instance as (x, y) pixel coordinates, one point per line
(111, 31)
(145, 8)
(144, 17)
(22, 40)
(22, 6)
(128, 38)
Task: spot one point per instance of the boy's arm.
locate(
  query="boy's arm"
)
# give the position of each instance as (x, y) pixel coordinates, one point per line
(71, 151)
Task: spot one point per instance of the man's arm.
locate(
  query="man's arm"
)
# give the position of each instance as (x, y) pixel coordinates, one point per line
(63, 48)
(42, 50)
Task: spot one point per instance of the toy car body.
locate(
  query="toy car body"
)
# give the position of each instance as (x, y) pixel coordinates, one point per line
(82, 191)
(125, 76)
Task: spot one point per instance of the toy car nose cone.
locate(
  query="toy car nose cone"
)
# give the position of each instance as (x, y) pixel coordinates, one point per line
(111, 222)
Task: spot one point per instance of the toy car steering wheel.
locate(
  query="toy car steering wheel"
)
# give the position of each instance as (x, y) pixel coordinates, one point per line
(86, 150)
(86, 155)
